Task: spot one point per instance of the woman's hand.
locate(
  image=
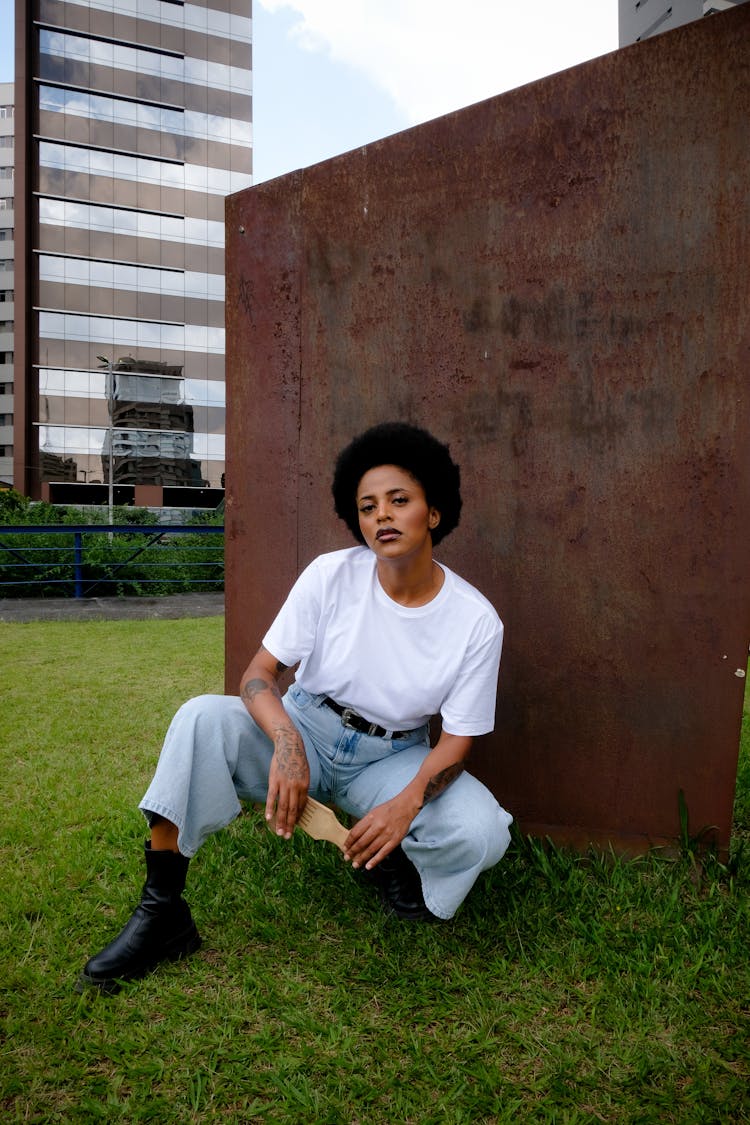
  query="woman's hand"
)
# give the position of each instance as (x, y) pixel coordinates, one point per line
(380, 831)
(383, 828)
(288, 780)
(289, 776)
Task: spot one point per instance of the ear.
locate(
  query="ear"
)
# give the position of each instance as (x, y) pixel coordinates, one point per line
(433, 519)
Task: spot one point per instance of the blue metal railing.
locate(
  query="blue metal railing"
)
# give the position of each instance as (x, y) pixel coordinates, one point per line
(85, 559)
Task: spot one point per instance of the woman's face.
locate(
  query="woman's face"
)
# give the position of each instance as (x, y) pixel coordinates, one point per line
(394, 516)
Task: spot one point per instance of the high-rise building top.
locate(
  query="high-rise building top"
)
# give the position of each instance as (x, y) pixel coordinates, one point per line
(134, 117)
(640, 19)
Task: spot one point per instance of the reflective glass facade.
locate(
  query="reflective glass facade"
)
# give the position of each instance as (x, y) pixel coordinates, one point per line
(139, 114)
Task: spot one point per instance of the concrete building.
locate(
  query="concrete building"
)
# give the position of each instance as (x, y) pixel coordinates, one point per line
(640, 19)
(133, 122)
(6, 282)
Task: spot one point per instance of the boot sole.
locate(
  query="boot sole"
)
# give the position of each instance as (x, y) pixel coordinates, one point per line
(109, 986)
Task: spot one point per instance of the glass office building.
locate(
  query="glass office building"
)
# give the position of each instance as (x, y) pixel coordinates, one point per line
(137, 124)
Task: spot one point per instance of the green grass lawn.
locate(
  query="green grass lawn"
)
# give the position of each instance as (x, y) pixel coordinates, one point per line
(569, 989)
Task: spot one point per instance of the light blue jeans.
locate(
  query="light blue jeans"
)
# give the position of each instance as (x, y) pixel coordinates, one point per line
(214, 755)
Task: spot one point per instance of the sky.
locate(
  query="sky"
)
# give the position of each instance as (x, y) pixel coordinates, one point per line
(332, 75)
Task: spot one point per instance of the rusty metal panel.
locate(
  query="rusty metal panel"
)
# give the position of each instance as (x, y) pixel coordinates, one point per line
(555, 281)
(263, 379)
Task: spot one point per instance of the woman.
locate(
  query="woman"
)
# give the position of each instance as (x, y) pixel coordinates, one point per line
(384, 638)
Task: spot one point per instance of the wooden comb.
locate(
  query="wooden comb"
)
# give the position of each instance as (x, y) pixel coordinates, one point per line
(319, 822)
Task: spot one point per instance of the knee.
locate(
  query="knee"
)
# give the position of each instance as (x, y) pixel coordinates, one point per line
(210, 709)
(485, 835)
(205, 724)
(498, 834)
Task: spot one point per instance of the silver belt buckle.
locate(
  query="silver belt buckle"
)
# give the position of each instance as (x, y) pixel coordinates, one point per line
(347, 715)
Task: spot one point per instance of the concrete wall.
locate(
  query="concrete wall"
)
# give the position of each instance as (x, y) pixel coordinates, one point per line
(556, 282)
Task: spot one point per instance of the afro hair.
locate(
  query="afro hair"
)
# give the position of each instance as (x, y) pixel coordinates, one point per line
(412, 449)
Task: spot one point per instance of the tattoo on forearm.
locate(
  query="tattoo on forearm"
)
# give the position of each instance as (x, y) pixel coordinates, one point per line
(441, 781)
(253, 688)
(290, 753)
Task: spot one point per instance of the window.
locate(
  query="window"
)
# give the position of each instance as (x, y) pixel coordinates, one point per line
(6, 111)
(106, 53)
(139, 386)
(120, 275)
(144, 169)
(6, 294)
(168, 228)
(78, 103)
(6, 234)
(6, 357)
(102, 162)
(191, 16)
(122, 332)
(160, 64)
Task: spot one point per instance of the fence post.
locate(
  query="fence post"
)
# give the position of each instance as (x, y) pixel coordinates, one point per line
(78, 554)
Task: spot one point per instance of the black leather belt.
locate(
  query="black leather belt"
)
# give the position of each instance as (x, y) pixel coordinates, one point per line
(356, 722)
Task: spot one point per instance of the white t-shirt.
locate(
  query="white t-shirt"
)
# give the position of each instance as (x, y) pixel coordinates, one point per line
(394, 665)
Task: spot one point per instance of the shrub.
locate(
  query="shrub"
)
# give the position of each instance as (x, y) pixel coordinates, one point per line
(43, 564)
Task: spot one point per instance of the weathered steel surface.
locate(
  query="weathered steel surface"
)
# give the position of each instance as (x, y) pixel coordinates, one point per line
(556, 282)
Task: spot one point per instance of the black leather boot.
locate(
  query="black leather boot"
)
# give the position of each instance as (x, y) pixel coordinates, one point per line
(160, 928)
(400, 888)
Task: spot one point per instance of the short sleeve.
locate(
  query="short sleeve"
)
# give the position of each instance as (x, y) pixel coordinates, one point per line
(292, 635)
(469, 707)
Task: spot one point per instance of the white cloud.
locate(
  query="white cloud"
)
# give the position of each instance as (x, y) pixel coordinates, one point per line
(434, 56)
